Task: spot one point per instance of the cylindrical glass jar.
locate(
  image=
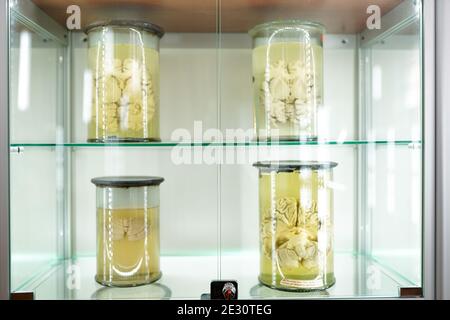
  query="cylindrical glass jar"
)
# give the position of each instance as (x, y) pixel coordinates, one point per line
(124, 65)
(128, 242)
(296, 225)
(287, 79)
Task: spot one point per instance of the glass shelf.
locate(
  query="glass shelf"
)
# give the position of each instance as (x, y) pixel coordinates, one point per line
(409, 143)
(358, 276)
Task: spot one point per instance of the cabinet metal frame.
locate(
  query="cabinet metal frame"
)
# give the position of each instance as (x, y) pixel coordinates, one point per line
(442, 94)
(4, 153)
(429, 151)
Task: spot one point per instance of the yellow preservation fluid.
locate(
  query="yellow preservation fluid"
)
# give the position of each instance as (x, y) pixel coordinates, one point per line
(287, 79)
(128, 246)
(125, 102)
(296, 225)
(128, 236)
(123, 59)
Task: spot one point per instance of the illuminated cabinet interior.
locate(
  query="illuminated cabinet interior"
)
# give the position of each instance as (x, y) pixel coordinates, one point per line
(370, 122)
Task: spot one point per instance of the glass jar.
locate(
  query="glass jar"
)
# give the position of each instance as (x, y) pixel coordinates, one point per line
(128, 242)
(296, 225)
(124, 64)
(287, 79)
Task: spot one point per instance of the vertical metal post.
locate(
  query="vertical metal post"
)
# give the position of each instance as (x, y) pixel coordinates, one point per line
(4, 153)
(219, 125)
(362, 233)
(429, 174)
(67, 225)
(442, 230)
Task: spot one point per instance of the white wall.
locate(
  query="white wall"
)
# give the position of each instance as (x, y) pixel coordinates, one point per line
(396, 97)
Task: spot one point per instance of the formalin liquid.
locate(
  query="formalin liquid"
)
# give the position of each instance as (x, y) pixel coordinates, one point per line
(128, 246)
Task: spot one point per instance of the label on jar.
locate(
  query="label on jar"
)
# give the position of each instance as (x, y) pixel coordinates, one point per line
(303, 284)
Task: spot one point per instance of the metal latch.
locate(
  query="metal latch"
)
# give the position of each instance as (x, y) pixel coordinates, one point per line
(17, 150)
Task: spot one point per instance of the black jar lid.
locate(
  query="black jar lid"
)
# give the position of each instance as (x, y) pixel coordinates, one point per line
(144, 25)
(127, 181)
(293, 165)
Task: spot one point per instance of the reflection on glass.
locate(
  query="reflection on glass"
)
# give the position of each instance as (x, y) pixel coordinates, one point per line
(153, 291)
(23, 98)
(260, 292)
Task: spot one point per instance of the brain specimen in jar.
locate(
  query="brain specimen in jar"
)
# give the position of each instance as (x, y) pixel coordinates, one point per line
(290, 233)
(287, 93)
(124, 96)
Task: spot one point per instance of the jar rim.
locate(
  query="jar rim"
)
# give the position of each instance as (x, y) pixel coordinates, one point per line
(144, 25)
(293, 165)
(127, 181)
(280, 24)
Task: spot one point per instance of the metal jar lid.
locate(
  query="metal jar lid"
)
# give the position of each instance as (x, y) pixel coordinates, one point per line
(143, 25)
(293, 165)
(127, 181)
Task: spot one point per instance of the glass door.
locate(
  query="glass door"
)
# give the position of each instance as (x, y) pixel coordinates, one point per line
(37, 110)
(369, 124)
(60, 158)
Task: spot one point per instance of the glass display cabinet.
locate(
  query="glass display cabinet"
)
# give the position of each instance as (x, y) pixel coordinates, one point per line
(375, 122)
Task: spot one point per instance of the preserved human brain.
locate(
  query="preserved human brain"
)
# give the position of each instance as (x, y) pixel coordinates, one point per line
(301, 248)
(124, 97)
(290, 233)
(133, 229)
(288, 94)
